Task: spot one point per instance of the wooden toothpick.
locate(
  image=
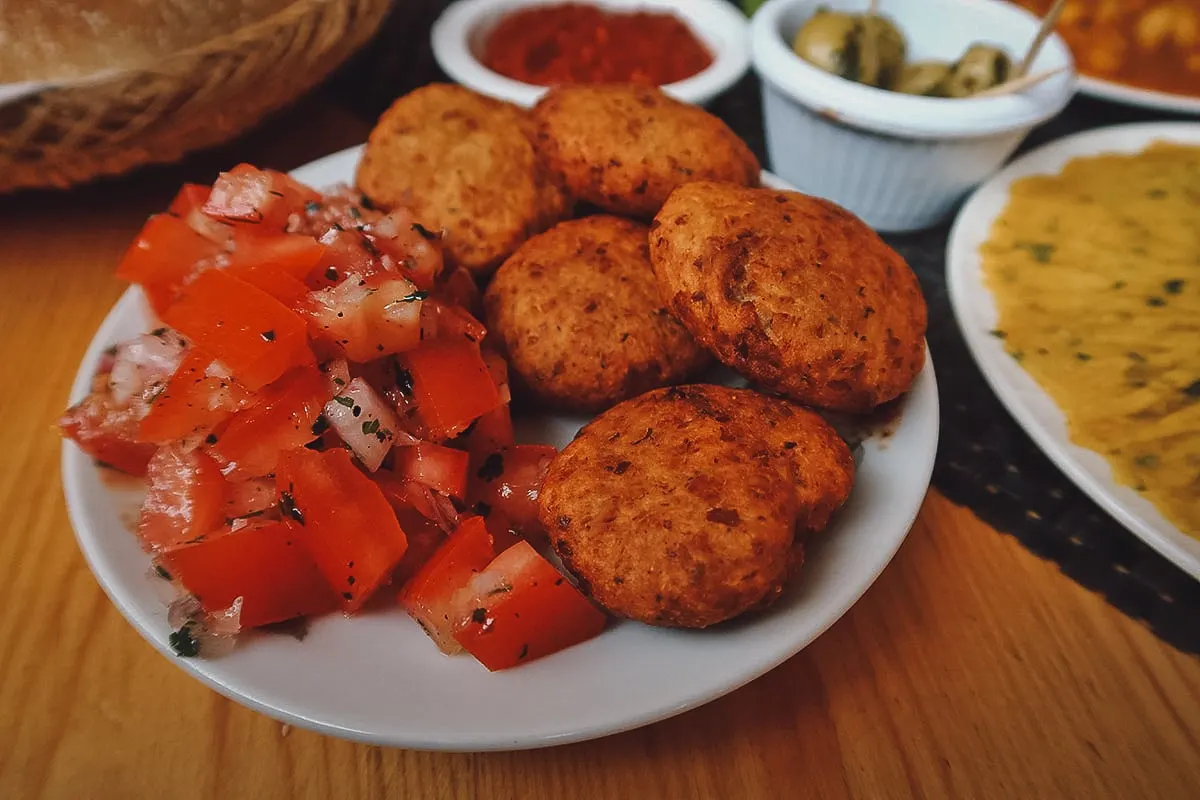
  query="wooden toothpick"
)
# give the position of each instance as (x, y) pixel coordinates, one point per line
(1016, 85)
(1035, 47)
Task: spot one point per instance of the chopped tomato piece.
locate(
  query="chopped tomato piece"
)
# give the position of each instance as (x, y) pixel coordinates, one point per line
(346, 253)
(508, 481)
(522, 609)
(504, 535)
(498, 369)
(273, 280)
(343, 519)
(459, 288)
(451, 385)
(436, 466)
(488, 434)
(189, 198)
(188, 205)
(366, 318)
(432, 596)
(453, 322)
(107, 433)
(193, 401)
(424, 538)
(185, 498)
(250, 502)
(294, 253)
(242, 326)
(406, 495)
(262, 564)
(163, 257)
(282, 419)
(263, 198)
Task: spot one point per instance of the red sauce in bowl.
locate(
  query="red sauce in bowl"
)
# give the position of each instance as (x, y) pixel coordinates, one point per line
(575, 43)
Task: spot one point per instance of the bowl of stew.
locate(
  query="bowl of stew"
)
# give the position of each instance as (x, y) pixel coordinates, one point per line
(516, 50)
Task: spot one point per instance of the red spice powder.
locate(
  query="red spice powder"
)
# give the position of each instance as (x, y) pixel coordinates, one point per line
(576, 43)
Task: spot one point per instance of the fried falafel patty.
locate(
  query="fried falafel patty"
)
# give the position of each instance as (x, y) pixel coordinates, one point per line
(577, 312)
(623, 148)
(794, 292)
(680, 508)
(465, 164)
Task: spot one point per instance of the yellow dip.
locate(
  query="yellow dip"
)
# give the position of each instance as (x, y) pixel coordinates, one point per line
(1096, 274)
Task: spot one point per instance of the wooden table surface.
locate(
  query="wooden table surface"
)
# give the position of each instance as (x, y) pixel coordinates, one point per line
(971, 669)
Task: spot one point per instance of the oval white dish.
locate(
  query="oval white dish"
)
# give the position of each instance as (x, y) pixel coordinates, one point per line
(1024, 398)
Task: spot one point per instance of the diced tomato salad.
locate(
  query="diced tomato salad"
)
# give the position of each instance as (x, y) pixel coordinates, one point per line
(321, 416)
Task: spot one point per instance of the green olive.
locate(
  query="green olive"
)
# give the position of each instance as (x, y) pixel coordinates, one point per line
(923, 78)
(980, 68)
(829, 40)
(882, 50)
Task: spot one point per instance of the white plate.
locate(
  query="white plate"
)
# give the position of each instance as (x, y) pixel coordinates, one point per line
(1032, 407)
(1133, 96)
(377, 678)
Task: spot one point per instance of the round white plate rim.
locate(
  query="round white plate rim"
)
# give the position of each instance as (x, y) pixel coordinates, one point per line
(76, 468)
(1134, 96)
(1011, 383)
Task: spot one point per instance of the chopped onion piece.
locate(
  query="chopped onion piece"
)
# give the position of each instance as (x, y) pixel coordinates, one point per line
(364, 421)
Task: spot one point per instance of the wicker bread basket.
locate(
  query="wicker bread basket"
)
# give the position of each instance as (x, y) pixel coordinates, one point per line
(194, 99)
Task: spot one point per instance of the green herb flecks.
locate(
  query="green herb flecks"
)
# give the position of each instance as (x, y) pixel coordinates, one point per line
(425, 233)
(370, 426)
(1040, 251)
(287, 505)
(342, 400)
(404, 381)
(184, 643)
(492, 467)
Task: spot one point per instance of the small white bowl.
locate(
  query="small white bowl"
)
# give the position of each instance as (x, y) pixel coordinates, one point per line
(461, 30)
(900, 162)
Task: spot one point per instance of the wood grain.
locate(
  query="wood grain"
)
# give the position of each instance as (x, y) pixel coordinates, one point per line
(970, 670)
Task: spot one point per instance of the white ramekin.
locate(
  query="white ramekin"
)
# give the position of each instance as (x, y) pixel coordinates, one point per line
(460, 31)
(898, 161)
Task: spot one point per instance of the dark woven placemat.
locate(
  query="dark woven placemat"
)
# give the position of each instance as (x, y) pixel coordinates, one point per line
(984, 461)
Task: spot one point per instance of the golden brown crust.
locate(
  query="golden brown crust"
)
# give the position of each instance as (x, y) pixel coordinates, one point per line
(624, 148)
(679, 507)
(821, 465)
(794, 292)
(464, 164)
(577, 312)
